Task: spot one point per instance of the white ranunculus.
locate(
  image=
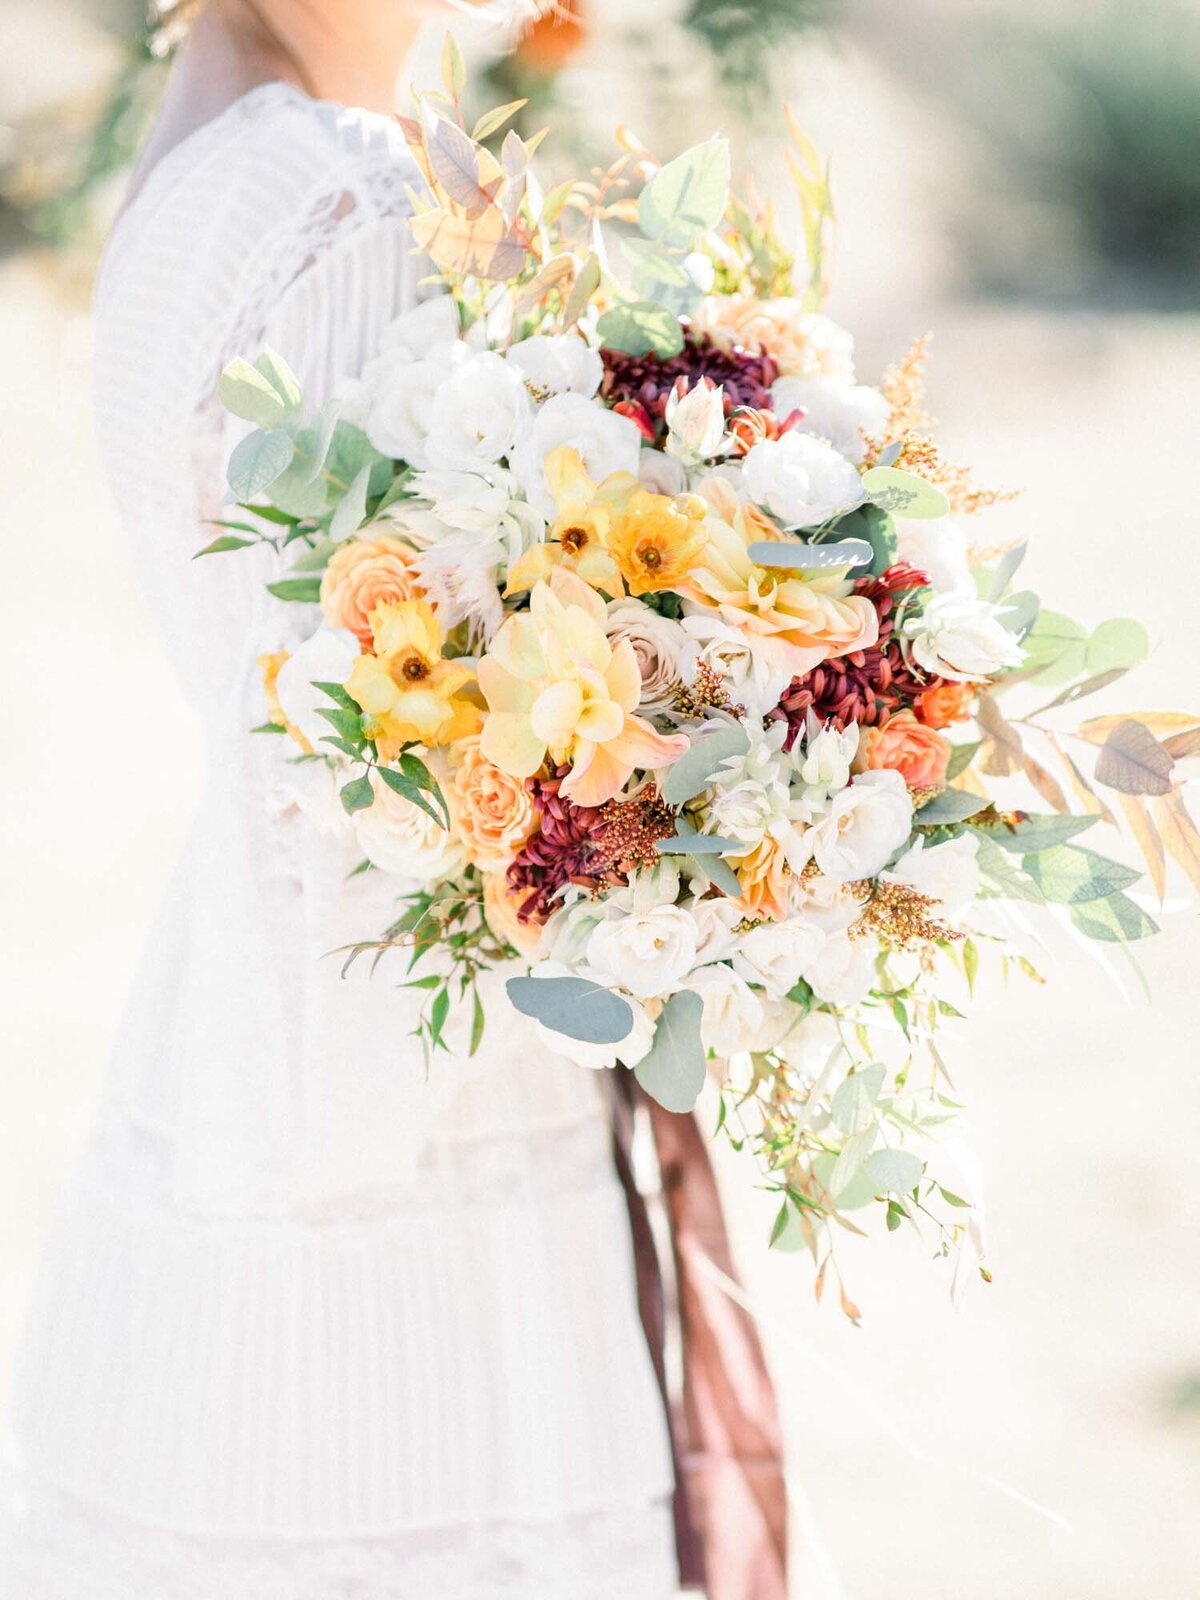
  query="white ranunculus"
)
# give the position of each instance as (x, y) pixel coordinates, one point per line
(962, 639)
(658, 643)
(414, 334)
(661, 473)
(948, 871)
(559, 363)
(696, 423)
(715, 920)
(732, 1010)
(753, 669)
(598, 1057)
(606, 441)
(844, 972)
(649, 952)
(775, 954)
(801, 480)
(480, 414)
(399, 837)
(399, 400)
(839, 412)
(466, 501)
(326, 657)
(938, 548)
(865, 824)
(824, 903)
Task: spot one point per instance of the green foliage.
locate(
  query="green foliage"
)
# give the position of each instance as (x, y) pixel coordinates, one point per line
(641, 328)
(673, 1071)
(687, 196)
(578, 1007)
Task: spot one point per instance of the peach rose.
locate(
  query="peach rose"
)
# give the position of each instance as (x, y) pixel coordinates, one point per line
(500, 908)
(496, 812)
(916, 752)
(804, 344)
(766, 881)
(362, 574)
(946, 703)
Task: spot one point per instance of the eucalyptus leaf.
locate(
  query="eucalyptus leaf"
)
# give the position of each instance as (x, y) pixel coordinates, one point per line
(641, 328)
(961, 757)
(876, 526)
(1055, 648)
(687, 196)
(256, 463)
(853, 1195)
(1071, 875)
(247, 393)
(352, 509)
(1021, 612)
(695, 768)
(282, 379)
(1004, 571)
(904, 494)
(1002, 878)
(952, 805)
(358, 795)
(673, 1071)
(576, 1007)
(895, 1171)
(653, 262)
(720, 873)
(853, 1102)
(793, 556)
(698, 844)
(851, 1161)
(1119, 643)
(1115, 920)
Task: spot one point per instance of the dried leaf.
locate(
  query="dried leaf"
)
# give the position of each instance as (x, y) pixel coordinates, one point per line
(848, 1305)
(1141, 826)
(456, 168)
(1179, 833)
(1181, 745)
(555, 274)
(482, 247)
(1133, 762)
(819, 1283)
(1046, 785)
(1091, 802)
(1003, 752)
(492, 121)
(1158, 722)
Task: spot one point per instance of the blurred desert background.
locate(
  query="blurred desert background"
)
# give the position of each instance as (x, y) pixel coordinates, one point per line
(1023, 180)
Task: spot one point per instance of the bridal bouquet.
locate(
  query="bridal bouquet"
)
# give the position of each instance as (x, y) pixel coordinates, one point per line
(641, 639)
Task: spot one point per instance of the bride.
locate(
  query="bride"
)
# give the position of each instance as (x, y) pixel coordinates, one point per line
(316, 1323)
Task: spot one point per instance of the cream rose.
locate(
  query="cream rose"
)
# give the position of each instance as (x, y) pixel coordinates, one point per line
(495, 813)
(801, 480)
(399, 837)
(648, 953)
(948, 871)
(962, 639)
(864, 825)
(844, 972)
(774, 954)
(842, 413)
(732, 1010)
(363, 573)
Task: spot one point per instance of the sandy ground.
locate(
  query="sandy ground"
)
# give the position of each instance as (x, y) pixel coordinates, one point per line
(1068, 1380)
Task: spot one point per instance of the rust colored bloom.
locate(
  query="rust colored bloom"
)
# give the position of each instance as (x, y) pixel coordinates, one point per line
(628, 832)
(556, 854)
(918, 753)
(945, 703)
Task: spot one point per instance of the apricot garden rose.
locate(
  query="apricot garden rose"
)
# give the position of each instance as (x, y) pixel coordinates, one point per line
(363, 574)
(496, 813)
(917, 752)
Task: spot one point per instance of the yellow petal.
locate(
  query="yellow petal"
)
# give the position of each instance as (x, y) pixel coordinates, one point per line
(623, 678)
(536, 563)
(568, 479)
(509, 742)
(556, 713)
(600, 720)
(640, 746)
(596, 776)
(571, 590)
(502, 691)
(517, 647)
(370, 685)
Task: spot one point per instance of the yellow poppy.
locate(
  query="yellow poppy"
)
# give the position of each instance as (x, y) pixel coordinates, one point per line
(577, 538)
(407, 692)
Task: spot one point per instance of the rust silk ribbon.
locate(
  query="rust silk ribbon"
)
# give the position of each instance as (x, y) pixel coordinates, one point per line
(730, 1498)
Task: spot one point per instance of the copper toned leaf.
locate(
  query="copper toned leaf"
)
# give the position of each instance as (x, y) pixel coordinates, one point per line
(1179, 833)
(1141, 826)
(482, 247)
(1133, 762)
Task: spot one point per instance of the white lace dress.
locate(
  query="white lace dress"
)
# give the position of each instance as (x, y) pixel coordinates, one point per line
(315, 1324)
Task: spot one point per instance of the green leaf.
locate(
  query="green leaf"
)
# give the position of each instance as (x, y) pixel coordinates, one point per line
(1001, 874)
(1055, 648)
(1021, 611)
(695, 768)
(792, 555)
(1115, 920)
(853, 1102)
(438, 1013)
(351, 510)
(1072, 876)
(477, 1023)
(874, 525)
(698, 844)
(413, 767)
(258, 461)
(305, 590)
(582, 290)
(358, 795)
(347, 723)
(1117, 644)
(269, 727)
(688, 196)
(315, 559)
(577, 1007)
(970, 955)
(895, 1171)
(673, 1071)
(282, 379)
(641, 328)
(961, 758)
(268, 514)
(400, 783)
(654, 263)
(904, 494)
(227, 542)
(1004, 571)
(721, 874)
(952, 805)
(1034, 834)
(250, 394)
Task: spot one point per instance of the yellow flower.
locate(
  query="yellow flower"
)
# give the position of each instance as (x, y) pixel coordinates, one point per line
(814, 616)
(577, 538)
(656, 540)
(407, 691)
(269, 667)
(557, 687)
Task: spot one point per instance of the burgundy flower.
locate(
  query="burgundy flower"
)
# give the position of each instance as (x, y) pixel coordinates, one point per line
(645, 382)
(557, 854)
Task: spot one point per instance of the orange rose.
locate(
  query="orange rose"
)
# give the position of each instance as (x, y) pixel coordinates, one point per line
(362, 574)
(910, 748)
(766, 881)
(496, 812)
(946, 703)
(500, 908)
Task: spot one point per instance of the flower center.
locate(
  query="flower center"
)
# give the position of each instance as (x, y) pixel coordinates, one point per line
(650, 557)
(409, 669)
(573, 540)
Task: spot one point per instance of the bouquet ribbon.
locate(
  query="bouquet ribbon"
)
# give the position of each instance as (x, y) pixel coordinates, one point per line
(730, 1495)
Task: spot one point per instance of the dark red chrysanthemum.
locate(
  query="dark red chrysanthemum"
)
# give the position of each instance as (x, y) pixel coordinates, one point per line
(645, 382)
(557, 854)
(867, 686)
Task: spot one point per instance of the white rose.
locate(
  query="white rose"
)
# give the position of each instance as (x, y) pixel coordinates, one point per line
(844, 972)
(479, 415)
(399, 400)
(949, 872)
(464, 500)
(649, 953)
(658, 644)
(824, 903)
(801, 480)
(415, 334)
(732, 1010)
(661, 473)
(399, 837)
(326, 657)
(598, 1057)
(606, 441)
(866, 822)
(839, 412)
(715, 921)
(961, 639)
(775, 954)
(938, 548)
(755, 671)
(558, 363)
(696, 423)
